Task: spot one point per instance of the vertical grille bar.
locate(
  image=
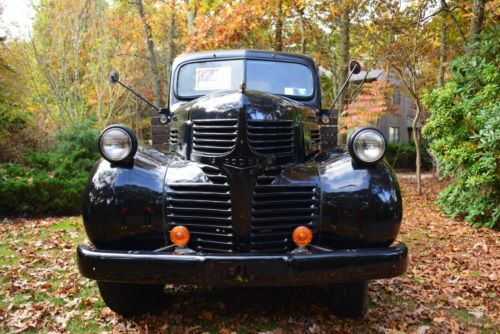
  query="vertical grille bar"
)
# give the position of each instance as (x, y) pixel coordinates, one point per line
(215, 137)
(277, 209)
(275, 138)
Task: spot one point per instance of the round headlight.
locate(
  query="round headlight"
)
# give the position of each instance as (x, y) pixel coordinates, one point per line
(117, 143)
(367, 145)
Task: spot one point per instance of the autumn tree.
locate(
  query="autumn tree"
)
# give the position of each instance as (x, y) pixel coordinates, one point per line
(16, 133)
(67, 62)
(370, 103)
(404, 44)
(221, 25)
(477, 20)
(151, 56)
(171, 45)
(345, 40)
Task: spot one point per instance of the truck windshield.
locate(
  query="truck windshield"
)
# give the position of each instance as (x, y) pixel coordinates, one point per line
(281, 78)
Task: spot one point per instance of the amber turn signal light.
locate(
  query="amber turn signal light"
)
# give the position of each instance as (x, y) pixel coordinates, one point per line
(179, 236)
(302, 236)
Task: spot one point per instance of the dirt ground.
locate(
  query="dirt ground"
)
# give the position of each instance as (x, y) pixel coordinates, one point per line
(452, 286)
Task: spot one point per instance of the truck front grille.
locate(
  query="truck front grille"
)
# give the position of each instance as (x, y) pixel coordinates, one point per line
(271, 138)
(205, 209)
(277, 209)
(214, 137)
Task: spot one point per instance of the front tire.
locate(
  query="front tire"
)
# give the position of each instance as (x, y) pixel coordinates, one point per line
(349, 299)
(129, 299)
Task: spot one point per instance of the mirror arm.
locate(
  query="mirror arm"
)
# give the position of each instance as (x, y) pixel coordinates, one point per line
(140, 97)
(341, 90)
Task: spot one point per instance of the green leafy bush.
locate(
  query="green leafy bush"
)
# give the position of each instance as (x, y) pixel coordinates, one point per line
(403, 156)
(52, 181)
(464, 132)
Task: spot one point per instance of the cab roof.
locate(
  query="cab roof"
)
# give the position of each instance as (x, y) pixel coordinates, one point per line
(244, 54)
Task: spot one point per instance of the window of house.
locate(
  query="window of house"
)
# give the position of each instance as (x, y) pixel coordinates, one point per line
(394, 134)
(396, 99)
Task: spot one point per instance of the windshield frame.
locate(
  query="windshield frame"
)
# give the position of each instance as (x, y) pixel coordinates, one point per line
(244, 59)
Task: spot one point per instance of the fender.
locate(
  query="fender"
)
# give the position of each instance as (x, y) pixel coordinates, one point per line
(123, 206)
(361, 205)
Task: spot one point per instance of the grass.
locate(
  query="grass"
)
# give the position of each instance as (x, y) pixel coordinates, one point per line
(33, 280)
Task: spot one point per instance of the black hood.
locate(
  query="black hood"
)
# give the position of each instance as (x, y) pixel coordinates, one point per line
(256, 105)
(242, 127)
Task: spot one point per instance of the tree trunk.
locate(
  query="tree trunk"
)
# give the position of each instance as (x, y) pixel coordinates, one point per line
(345, 25)
(278, 35)
(303, 39)
(302, 25)
(442, 52)
(476, 23)
(416, 139)
(171, 42)
(155, 78)
(191, 17)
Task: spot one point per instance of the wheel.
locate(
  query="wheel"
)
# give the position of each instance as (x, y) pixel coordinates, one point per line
(129, 299)
(349, 299)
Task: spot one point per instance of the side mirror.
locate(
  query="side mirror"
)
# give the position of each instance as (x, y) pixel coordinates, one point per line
(114, 76)
(354, 66)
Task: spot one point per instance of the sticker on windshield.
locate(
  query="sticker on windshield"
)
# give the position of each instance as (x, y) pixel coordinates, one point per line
(295, 91)
(213, 78)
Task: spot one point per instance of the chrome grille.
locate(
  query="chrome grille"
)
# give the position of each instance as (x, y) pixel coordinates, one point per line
(214, 137)
(275, 138)
(277, 209)
(205, 209)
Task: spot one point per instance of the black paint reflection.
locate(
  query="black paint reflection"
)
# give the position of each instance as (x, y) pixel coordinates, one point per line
(123, 206)
(361, 205)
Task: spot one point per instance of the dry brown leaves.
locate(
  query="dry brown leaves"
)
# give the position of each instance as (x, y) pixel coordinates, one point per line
(451, 286)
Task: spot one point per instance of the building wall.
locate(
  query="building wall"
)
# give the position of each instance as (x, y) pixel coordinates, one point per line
(400, 119)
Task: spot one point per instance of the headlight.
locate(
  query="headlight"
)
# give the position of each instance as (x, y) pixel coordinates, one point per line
(118, 144)
(367, 145)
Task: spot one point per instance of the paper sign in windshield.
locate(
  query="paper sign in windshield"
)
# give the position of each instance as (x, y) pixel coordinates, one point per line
(213, 78)
(295, 91)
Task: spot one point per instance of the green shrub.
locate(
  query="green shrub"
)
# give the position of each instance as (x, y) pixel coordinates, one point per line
(464, 134)
(403, 156)
(53, 180)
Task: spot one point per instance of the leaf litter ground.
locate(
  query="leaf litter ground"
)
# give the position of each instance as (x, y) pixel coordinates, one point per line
(452, 286)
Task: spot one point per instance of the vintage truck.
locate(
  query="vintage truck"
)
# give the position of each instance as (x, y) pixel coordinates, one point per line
(254, 191)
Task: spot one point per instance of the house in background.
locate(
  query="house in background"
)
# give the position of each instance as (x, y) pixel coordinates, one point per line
(378, 93)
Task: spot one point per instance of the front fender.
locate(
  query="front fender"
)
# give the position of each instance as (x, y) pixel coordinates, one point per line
(123, 206)
(361, 205)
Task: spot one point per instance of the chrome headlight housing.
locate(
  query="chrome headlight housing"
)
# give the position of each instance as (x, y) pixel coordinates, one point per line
(118, 144)
(367, 145)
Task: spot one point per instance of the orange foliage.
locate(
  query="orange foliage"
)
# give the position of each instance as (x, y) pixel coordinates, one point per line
(369, 105)
(235, 25)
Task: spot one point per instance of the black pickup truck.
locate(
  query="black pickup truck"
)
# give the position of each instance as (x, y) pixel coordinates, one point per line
(254, 191)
